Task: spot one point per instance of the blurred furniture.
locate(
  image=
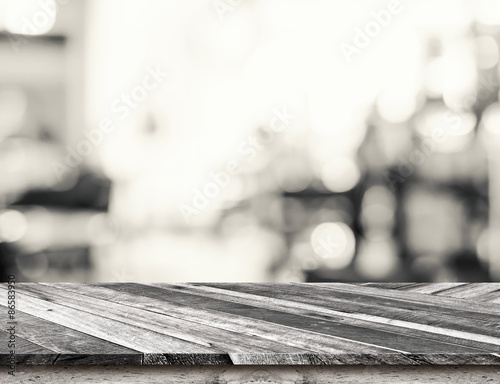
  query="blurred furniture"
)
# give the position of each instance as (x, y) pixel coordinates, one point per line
(42, 115)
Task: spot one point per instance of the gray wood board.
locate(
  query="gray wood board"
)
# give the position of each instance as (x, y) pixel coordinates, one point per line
(404, 324)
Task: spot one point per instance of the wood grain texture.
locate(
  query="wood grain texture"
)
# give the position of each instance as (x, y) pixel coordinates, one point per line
(468, 291)
(389, 325)
(60, 344)
(403, 324)
(27, 352)
(422, 374)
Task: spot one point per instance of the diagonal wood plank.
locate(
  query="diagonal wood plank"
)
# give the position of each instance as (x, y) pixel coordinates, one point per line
(375, 322)
(485, 327)
(386, 285)
(114, 331)
(26, 351)
(160, 301)
(430, 288)
(105, 302)
(61, 339)
(471, 291)
(387, 338)
(427, 303)
(487, 292)
(491, 298)
(305, 309)
(255, 324)
(66, 343)
(409, 295)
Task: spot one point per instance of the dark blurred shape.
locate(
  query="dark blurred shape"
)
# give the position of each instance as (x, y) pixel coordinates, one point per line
(90, 191)
(7, 262)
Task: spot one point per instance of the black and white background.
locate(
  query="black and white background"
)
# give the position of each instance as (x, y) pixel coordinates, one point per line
(249, 140)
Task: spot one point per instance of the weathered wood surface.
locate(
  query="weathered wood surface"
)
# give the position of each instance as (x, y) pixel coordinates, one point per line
(387, 374)
(405, 324)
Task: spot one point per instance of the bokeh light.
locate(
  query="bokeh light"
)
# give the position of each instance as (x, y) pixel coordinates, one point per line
(374, 169)
(377, 259)
(334, 244)
(491, 121)
(340, 174)
(13, 225)
(378, 209)
(293, 174)
(448, 131)
(28, 17)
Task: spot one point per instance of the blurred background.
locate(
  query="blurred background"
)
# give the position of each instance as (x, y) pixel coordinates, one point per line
(249, 140)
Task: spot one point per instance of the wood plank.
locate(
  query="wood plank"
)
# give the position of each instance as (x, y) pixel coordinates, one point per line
(484, 328)
(405, 342)
(433, 301)
(386, 285)
(263, 375)
(431, 288)
(305, 309)
(105, 303)
(471, 291)
(187, 359)
(393, 301)
(345, 330)
(254, 324)
(64, 340)
(490, 298)
(158, 300)
(117, 332)
(419, 293)
(457, 290)
(26, 351)
(22, 345)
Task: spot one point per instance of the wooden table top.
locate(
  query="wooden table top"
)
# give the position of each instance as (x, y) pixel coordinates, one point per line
(254, 324)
